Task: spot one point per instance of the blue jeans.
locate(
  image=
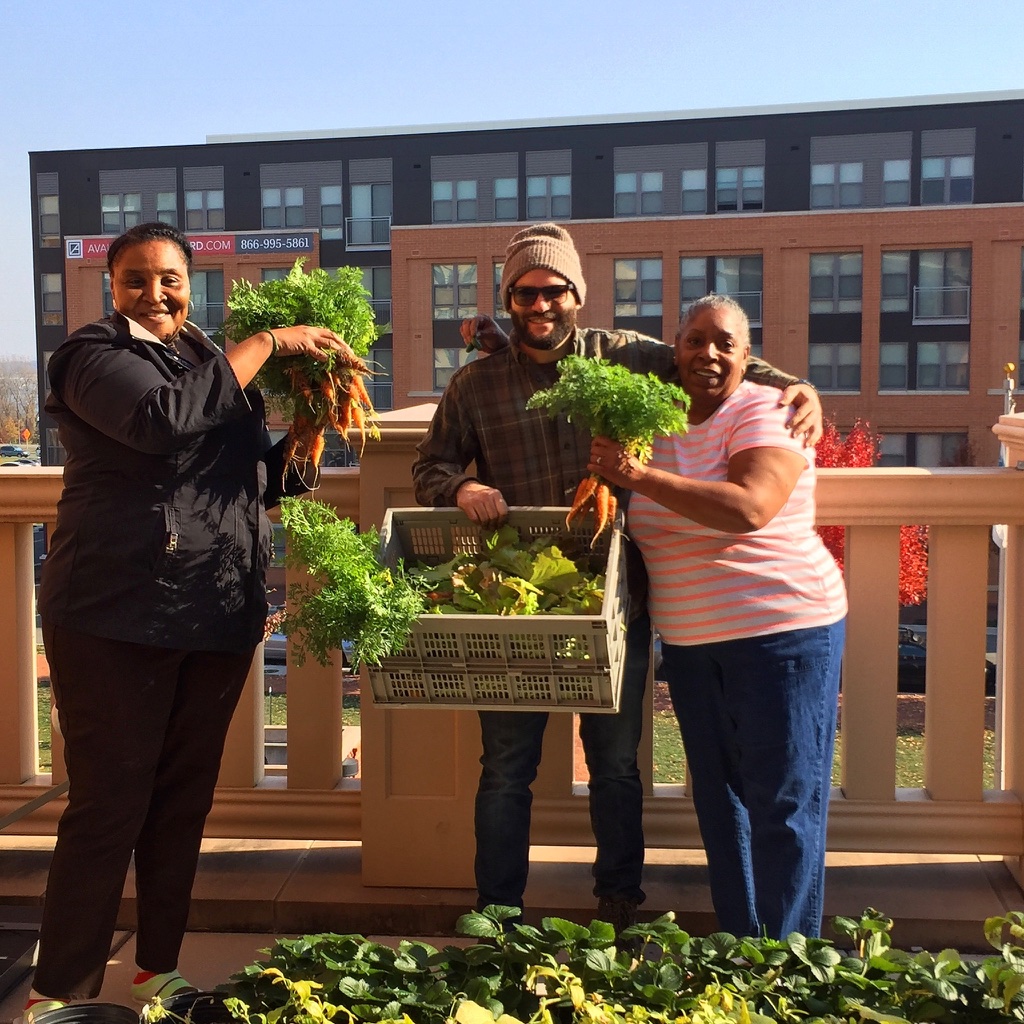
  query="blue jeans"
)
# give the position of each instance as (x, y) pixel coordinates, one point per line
(511, 754)
(758, 719)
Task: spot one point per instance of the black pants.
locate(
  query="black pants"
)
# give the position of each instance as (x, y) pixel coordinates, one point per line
(144, 731)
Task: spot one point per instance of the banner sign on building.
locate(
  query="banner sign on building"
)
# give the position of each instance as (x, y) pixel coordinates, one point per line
(206, 245)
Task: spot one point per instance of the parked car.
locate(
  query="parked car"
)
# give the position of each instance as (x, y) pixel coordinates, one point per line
(911, 660)
(12, 451)
(275, 650)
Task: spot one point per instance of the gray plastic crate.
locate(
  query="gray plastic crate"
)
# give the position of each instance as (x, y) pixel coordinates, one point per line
(504, 662)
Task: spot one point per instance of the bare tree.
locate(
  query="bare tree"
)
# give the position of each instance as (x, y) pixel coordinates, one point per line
(19, 409)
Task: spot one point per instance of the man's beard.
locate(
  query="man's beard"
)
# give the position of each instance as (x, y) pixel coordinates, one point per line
(564, 324)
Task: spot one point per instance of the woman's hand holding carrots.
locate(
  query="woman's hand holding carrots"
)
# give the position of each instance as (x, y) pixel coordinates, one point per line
(318, 342)
(610, 460)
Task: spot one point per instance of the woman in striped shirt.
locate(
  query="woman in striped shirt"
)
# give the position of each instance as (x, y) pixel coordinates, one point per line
(751, 610)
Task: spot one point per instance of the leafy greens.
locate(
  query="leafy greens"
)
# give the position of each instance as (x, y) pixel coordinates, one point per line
(612, 401)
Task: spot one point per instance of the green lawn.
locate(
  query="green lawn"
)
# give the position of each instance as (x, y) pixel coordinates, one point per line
(668, 749)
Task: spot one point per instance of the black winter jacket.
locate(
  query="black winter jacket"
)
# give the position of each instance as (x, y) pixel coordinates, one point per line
(162, 537)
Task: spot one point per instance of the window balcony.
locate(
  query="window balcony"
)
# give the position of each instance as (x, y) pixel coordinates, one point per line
(368, 232)
(751, 303)
(942, 305)
(381, 311)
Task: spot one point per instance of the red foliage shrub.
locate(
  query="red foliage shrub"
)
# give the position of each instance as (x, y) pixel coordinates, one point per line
(857, 450)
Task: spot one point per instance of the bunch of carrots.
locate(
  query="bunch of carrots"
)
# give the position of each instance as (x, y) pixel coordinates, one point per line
(611, 401)
(337, 400)
(594, 490)
(314, 396)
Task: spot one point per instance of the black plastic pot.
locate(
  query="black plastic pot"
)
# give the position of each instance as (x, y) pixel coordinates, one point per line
(197, 1007)
(89, 1013)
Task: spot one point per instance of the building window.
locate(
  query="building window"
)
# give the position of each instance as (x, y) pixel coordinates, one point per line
(837, 185)
(892, 449)
(331, 216)
(204, 209)
(49, 221)
(207, 298)
(741, 277)
(377, 281)
(638, 288)
(942, 365)
(167, 208)
(836, 282)
(500, 312)
(924, 366)
(548, 197)
(834, 366)
(924, 450)
(932, 450)
(381, 385)
(943, 290)
(947, 179)
(895, 282)
(273, 273)
(639, 193)
(695, 190)
(739, 188)
(506, 198)
(107, 295)
(370, 224)
(282, 208)
(446, 362)
(52, 299)
(693, 280)
(892, 366)
(121, 211)
(896, 182)
(453, 201)
(454, 294)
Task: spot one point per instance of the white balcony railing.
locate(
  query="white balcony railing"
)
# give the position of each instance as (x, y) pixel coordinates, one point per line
(367, 232)
(381, 311)
(942, 305)
(952, 813)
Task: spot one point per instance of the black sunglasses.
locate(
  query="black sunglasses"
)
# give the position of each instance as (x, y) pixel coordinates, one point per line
(525, 296)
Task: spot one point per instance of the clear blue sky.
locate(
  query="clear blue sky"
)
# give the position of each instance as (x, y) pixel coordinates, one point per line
(90, 73)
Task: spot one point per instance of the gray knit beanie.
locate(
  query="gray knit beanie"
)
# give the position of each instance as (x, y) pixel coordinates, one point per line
(543, 246)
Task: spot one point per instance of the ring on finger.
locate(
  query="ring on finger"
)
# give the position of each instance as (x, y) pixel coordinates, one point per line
(598, 460)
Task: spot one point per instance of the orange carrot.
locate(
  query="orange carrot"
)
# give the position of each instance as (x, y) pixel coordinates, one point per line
(602, 507)
(359, 420)
(317, 447)
(291, 446)
(584, 493)
(358, 390)
(344, 419)
(352, 362)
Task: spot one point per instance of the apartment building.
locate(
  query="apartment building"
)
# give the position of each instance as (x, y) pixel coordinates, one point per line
(878, 248)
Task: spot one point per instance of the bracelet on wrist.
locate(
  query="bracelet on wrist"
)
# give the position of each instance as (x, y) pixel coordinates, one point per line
(804, 380)
(273, 342)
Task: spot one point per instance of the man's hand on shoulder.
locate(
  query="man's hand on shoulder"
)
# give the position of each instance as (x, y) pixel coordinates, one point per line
(482, 334)
(807, 420)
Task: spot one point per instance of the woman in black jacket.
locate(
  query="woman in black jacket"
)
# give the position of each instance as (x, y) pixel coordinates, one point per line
(152, 602)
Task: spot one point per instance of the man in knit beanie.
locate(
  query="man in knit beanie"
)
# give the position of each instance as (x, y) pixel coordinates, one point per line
(548, 247)
(524, 457)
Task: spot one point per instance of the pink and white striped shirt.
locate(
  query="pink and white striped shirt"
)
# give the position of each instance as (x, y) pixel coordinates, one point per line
(707, 585)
